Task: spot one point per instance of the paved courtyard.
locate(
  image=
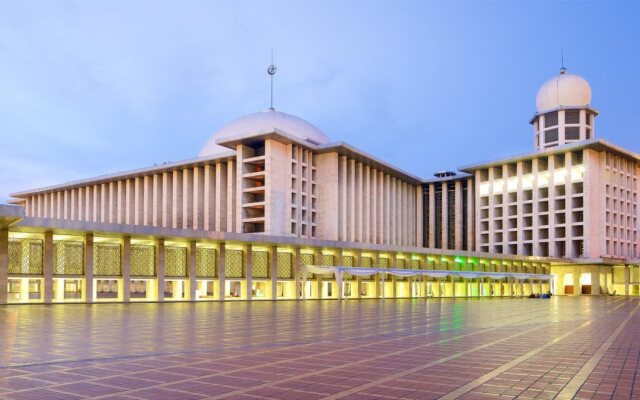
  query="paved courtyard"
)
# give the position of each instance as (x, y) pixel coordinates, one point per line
(587, 348)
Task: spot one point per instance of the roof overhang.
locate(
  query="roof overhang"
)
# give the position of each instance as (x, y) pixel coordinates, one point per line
(536, 115)
(596, 144)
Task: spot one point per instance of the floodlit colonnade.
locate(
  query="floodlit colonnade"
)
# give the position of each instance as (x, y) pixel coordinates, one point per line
(74, 266)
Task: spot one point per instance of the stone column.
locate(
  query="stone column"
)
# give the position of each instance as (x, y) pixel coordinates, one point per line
(317, 260)
(160, 269)
(88, 267)
(453, 287)
(595, 280)
(4, 264)
(248, 271)
(356, 263)
(296, 272)
(126, 268)
(48, 267)
(577, 290)
(193, 284)
(220, 254)
(627, 279)
(273, 271)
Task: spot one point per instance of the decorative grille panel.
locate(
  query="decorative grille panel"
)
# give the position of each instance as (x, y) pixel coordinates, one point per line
(285, 269)
(143, 260)
(347, 261)
(25, 256)
(68, 257)
(205, 262)
(233, 263)
(551, 119)
(366, 262)
(551, 135)
(307, 259)
(572, 117)
(260, 264)
(572, 133)
(415, 264)
(634, 274)
(384, 263)
(106, 259)
(466, 267)
(327, 260)
(175, 261)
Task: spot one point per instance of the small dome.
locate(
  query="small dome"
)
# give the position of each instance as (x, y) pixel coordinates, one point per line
(264, 122)
(563, 90)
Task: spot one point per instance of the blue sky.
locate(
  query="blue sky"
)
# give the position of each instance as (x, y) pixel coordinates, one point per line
(88, 88)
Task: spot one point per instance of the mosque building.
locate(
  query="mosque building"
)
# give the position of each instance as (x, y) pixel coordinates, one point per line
(273, 209)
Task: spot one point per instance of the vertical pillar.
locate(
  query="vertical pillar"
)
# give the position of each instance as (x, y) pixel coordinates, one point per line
(193, 284)
(248, 271)
(48, 267)
(296, 272)
(317, 260)
(160, 269)
(356, 263)
(220, 254)
(577, 290)
(627, 278)
(273, 271)
(453, 287)
(88, 267)
(126, 269)
(595, 280)
(4, 264)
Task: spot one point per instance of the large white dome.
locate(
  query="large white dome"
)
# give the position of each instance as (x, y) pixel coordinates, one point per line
(563, 90)
(264, 122)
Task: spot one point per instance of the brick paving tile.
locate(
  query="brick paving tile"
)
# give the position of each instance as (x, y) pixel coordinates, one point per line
(397, 349)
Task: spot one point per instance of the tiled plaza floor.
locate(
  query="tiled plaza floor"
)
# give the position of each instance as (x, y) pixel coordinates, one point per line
(571, 347)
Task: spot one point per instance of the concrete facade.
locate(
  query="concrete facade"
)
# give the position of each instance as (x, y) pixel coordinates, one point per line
(271, 189)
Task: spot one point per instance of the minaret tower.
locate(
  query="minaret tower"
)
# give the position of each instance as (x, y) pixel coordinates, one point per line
(563, 112)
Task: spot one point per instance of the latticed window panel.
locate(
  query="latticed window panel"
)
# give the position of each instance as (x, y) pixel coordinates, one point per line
(383, 262)
(175, 261)
(327, 260)
(572, 133)
(260, 264)
(307, 259)
(572, 117)
(347, 261)
(400, 264)
(551, 135)
(233, 263)
(68, 257)
(551, 119)
(25, 256)
(466, 267)
(366, 262)
(143, 260)
(205, 262)
(106, 259)
(634, 273)
(285, 265)
(492, 268)
(415, 264)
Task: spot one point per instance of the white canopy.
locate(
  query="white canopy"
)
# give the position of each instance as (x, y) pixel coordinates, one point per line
(339, 270)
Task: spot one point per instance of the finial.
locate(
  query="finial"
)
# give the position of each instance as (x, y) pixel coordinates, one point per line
(272, 71)
(563, 70)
